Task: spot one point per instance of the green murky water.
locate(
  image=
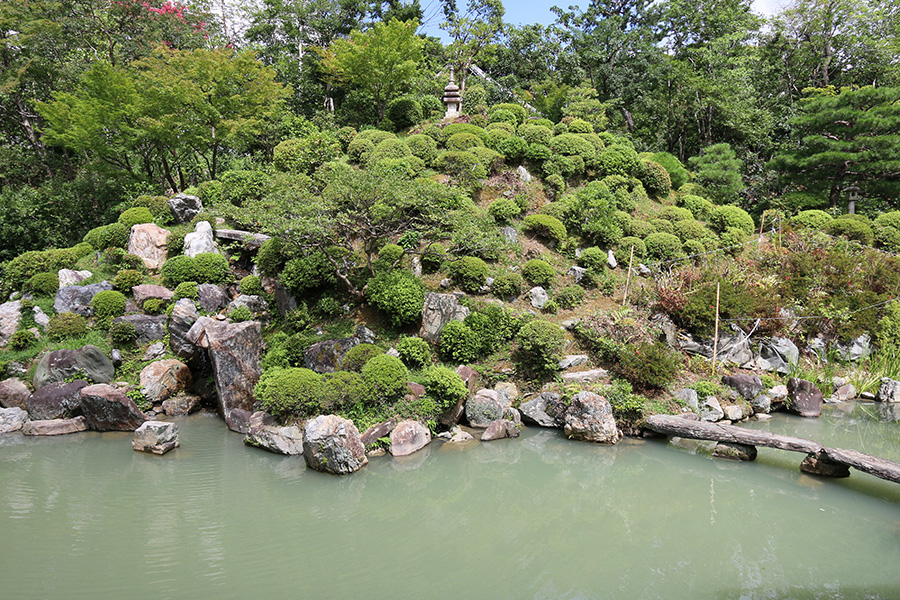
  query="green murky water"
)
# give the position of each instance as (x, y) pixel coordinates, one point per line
(539, 517)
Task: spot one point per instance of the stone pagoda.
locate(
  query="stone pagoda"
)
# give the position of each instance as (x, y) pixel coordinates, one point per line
(452, 99)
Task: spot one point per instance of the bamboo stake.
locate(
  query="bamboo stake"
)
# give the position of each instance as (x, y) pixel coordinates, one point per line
(628, 277)
(716, 336)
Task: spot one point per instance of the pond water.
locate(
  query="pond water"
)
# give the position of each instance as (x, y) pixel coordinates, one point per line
(84, 516)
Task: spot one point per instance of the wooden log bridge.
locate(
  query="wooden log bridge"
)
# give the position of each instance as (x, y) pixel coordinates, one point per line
(820, 460)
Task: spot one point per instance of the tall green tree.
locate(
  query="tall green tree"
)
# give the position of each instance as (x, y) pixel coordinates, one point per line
(470, 31)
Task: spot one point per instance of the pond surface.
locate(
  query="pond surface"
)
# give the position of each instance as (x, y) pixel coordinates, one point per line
(85, 517)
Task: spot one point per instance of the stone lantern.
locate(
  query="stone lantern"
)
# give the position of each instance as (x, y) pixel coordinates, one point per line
(852, 197)
(452, 99)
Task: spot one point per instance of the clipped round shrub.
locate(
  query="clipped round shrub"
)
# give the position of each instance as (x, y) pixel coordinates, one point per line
(398, 293)
(570, 296)
(175, 243)
(512, 148)
(639, 229)
(618, 159)
(306, 154)
(812, 219)
(556, 183)
(852, 229)
(414, 351)
(444, 386)
(359, 149)
(508, 285)
(177, 270)
(391, 148)
(539, 345)
(468, 272)
(433, 257)
(546, 226)
(109, 303)
(187, 289)
(888, 219)
(888, 238)
(251, 286)
(211, 267)
(66, 325)
(503, 116)
(693, 247)
(289, 392)
(243, 184)
(655, 178)
(678, 175)
(386, 376)
(491, 161)
(463, 141)
(388, 256)
(623, 251)
(423, 147)
(733, 238)
(22, 340)
(501, 126)
(593, 258)
(662, 226)
(454, 128)
(518, 112)
(690, 229)
(43, 284)
(570, 144)
(539, 272)
(580, 126)
(538, 153)
(536, 134)
(134, 262)
(404, 112)
(723, 217)
(127, 279)
(460, 164)
(662, 246)
(114, 235)
(504, 210)
(136, 216)
(675, 214)
(154, 306)
(700, 207)
(358, 356)
(648, 366)
(270, 258)
(123, 332)
(158, 206)
(459, 343)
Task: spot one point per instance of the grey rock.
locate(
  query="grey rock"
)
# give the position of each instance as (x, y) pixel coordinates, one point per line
(778, 392)
(644, 270)
(590, 419)
(732, 349)
(748, 386)
(55, 426)
(888, 391)
(200, 241)
(255, 304)
(446, 283)
(393, 352)
(458, 436)
(733, 412)
(155, 437)
(762, 403)
(284, 301)
(326, 356)
(40, 317)
(12, 419)
(499, 430)
(611, 259)
(10, 317)
(77, 298)
(545, 410)
(710, 410)
(408, 437)
(266, 434)
(762, 417)
(688, 397)
(145, 291)
(15, 369)
(845, 392)
(416, 266)
(837, 382)
(438, 310)
(804, 398)
(87, 363)
(181, 405)
(377, 431)
(508, 391)
(332, 444)
(539, 297)
(577, 273)
(524, 175)
(69, 277)
(13, 393)
(365, 335)
(570, 324)
(150, 242)
(590, 376)
(858, 348)
(512, 414)
(571, 361)
(777, 354)
(163, 379)
(510, 235)
(212, 298)
(185, 207)
(115, 356)
(106, 408)
(154, 351)
(149, 328)
(184, 315)
(734, 451)
(58, 400)
(482, 408)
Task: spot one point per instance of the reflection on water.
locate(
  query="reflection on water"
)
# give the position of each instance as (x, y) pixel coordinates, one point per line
(535, 517)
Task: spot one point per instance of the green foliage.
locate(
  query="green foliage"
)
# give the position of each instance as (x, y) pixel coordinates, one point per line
(390, 148)
(444, 386)
(852, 229)
(517, 111)
(127, 279)
(206, 267)
(251, 286)
(389, 255)
(619, 159)
(719, 170)
(454, 128)
(640, 229)
(700, 207)
(175, 243)
(301, 275)
(28, 264)
(731, 237)
(593, 258)
(187, 289)
(655, 178)
(289, 392)
(570, 296)
(678, 175)
(270, 258)
(239, 314)
(723, 217)
(241, 185)
(66, 325)
(675, 214)
(648, 365)
(812, 219)
(625, 404)
(463, 141)
(539, 346)
(400, 294)
(690, 229)
(546, 226)
(459, 343)
(662, 246)
(178, 270)
(888, 238)
(328, 306)
(699, 313)
(494, 325)
(433, 257)
(423, 147)
(386, 377)
(358, 356)
(570, 144)
(468, 272)
(536, 134)
(305, 155)
(492, 161)
(404, 112)
(888, 332)
(108, 303)
(43, 284)
(122, 333)
(22, 340)
(623, 252)
(508, 285)
(538, 153)
(461, 165)
(504, 210)
(414, 351)
(154, 306)
(693, 247)
(663, 226)
(135, 216)
(539, 272)
(503, 116)
(888, 219)
(158, 206)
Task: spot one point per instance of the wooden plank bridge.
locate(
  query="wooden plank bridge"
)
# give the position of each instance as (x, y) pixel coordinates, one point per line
(833, 462)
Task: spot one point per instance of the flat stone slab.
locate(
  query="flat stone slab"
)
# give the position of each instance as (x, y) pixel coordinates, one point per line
(585, 376)
(252, 239)
(55, 426)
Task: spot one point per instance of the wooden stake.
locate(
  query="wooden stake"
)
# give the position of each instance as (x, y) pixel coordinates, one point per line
(716, 336)
(628, 277)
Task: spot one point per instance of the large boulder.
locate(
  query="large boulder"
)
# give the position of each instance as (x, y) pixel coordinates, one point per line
(777, 354)
(438, 310)
(498, 430)
(55, 426)
(266, 434)
(149, 328)
(484, 407)
(150, 242)
(181, 405)
(253, 303)
(163, 379)
(331, 444)
(284, 301)
(184, 315)
(326, 356)
(804, 398)
(12, 419)
(408, 437)
(88, 363)
(748, 386)
(155, 437)
(185, 207)
(106, 408)
(145, 291)
(234, 351)
(212, 297)
(377, 431)
(13, 393)
(590, 419)
(10, 317)
(200, 241)
(77, 298)
(59, 400)
(710, 410)
(546, 409)
(69, 277)
(689, 398)
(888, 391)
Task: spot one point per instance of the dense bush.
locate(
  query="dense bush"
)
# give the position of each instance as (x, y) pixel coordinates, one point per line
(301, 275)
(494, 325)
(517, 111)
(570, 296)
(341, 390)
(444, 386)
(433, 257)
(888, 238)
(291, 392)
(580, 126)
(423, 147)
(459, 343)
(239, 314)
(852, 229)
(463, 165)
(241, 185)
(648, 365)
(537, 153)
(655, 178)
(454, 128)
(177, 270)
(536, 134)
(539, 272)
(623, 251)
(398, 293)
(662, 226)
(186, 289)
(812, 219)
(207, 267)
(698, 314)
(569, 144)
(135, 216)
(468, 272)
(593, 258)
(463, 141)
(508, 285)
(43, 284)
(270, 258)
(501, 126)
(108, 303)
(504, 210)
(693, 247)
(154, 306)
(66, 325)
(546, 226)
(127, 279)
(414, 351)
(22, 340)
(619, 159)
(391, 148)
(305, 155)
(513, 148)
(358, 356)
(678, 175)
(251, 286)
(503, 116)
(490, 160)
(888, 219)
(723, 217)
(640, 229)
(662, 246)
(539, 346)
(28, 264)
(386, 377)
(675, 214)
(158, 205)
(733, 238)
(700, 207)
(123, 332)
(404, 112)
(691, 229)
(389, 256)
